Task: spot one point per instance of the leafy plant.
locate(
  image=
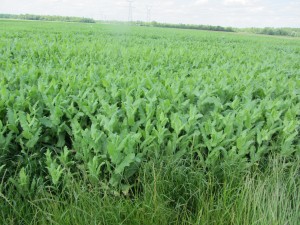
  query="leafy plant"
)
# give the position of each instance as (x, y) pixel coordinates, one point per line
(95, 104)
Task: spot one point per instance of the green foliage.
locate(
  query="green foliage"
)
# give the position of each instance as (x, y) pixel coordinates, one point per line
(172, 194)
(53, 168)
(47, 18)
(187, 26)
(95, 103)
(292, 32)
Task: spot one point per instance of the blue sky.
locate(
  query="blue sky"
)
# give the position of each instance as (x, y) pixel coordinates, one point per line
(236, 13)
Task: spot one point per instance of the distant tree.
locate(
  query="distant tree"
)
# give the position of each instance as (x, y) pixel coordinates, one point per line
(47, 18)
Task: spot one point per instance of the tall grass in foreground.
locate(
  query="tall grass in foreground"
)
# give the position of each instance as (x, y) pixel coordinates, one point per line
(170, 194)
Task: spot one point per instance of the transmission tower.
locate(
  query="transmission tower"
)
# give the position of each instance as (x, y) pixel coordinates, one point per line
(148, 13)
(101, 16)
(130, 10)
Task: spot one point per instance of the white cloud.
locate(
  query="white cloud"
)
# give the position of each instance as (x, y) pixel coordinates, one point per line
(241, 13)
(242, 2)
(200, 2)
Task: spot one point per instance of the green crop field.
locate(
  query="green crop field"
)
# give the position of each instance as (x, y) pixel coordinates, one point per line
(108, 124)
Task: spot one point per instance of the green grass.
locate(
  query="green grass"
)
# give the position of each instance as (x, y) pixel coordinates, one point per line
(108, 124)
(171, 194)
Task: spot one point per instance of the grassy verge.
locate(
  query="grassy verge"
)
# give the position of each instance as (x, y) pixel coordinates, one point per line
(170, 194)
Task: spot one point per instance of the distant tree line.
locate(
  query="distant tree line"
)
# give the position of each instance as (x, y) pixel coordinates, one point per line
(168, 25)
(293, 32)
(48, 18)
(188, 26)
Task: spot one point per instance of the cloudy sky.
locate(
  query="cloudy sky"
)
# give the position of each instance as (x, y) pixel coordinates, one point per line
(237, 13)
